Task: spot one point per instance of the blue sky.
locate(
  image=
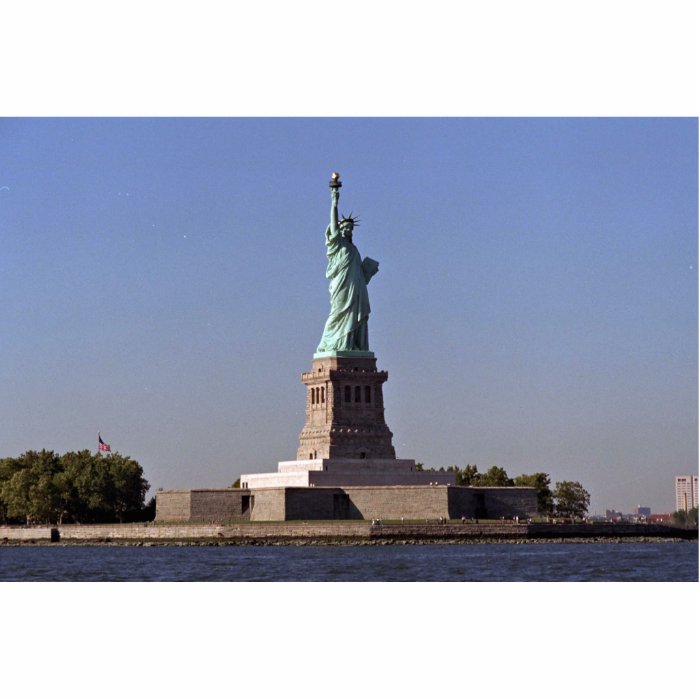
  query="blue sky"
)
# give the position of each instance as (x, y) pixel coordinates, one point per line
(536, 305)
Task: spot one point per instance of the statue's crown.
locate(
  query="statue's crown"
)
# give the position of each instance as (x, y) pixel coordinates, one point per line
(355, 221)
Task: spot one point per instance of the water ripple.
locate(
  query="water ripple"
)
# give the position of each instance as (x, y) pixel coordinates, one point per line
(662, 561)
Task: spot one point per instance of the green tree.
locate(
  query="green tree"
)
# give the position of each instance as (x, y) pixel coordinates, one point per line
(682, 518)
(236, 484)
(128, 487)
(90, 489)
(66, 496)
(470, 476)
(572, 500)
(496, 476)
(30, 494)
(148, 512)
(103, 489)
(71, 486)
(8, 466)
(541, 482)
(15, 496)
(41, 487)
(43, 497)
(679, 518)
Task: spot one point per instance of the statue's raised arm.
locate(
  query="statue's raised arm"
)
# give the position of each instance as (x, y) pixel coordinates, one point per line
(334, 225)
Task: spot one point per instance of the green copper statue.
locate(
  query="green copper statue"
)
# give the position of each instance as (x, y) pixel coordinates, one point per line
(346, 327)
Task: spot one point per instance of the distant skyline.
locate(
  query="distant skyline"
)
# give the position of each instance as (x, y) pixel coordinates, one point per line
(535, 306)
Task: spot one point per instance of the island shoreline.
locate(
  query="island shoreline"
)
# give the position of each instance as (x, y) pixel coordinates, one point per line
(339, 533)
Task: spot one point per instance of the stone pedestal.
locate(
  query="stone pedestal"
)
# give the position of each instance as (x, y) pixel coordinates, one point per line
(345, 440)
(345, 409)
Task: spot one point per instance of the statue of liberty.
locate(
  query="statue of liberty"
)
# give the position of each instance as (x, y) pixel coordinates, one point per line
(346, 327)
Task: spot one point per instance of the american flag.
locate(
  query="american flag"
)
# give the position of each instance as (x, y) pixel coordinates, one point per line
(104, 447)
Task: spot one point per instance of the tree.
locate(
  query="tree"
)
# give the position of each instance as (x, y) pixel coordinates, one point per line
(15, 496)
(71, 486)
(93, 487)
(470, 476)
(683, 518)
(148, 512)
(541, 482)
(66, 497)
(236, 484)
(572, 500)
(42, 487)
(128, 487)
(496, 476)
(8, 466)
(30, 494)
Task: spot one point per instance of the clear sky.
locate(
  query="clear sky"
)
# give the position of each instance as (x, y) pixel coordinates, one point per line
(536, 305)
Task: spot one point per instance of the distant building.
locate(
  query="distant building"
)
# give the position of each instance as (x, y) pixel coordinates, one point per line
(613, 516)
(659, 518)
(643, 511)
(686, 492)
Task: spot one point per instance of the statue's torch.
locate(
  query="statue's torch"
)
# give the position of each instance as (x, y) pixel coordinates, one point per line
(335, 182)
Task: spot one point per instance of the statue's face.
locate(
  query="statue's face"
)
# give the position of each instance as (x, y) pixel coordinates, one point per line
(346, 229)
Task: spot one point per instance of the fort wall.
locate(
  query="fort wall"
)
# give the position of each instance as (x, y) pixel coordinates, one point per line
(396, 502)
(345, 503)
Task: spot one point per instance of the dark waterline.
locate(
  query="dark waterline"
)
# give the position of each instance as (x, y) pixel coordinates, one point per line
(662, 561)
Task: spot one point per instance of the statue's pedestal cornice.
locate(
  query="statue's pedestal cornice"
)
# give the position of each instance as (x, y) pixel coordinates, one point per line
(350, 354)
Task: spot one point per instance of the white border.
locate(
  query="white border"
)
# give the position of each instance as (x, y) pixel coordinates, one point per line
(371, 57)
(611, 57)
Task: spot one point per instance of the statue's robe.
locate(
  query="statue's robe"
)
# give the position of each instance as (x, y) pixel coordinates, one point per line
(346, 327)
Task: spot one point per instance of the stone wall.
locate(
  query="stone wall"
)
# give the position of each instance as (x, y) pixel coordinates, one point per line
(509, 502)
(190, 531)
(312, 504)
(202, 505)
(173, 506)
(484, 502)
(505, 530)
(379, 478)
(344, 503)
(461, 502)
(396, 502)
(409, 502)
(268, 504)
(220, 504)
(25, 534)
(116, 531)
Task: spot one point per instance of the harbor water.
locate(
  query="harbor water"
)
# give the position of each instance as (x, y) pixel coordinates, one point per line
(614, 561)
